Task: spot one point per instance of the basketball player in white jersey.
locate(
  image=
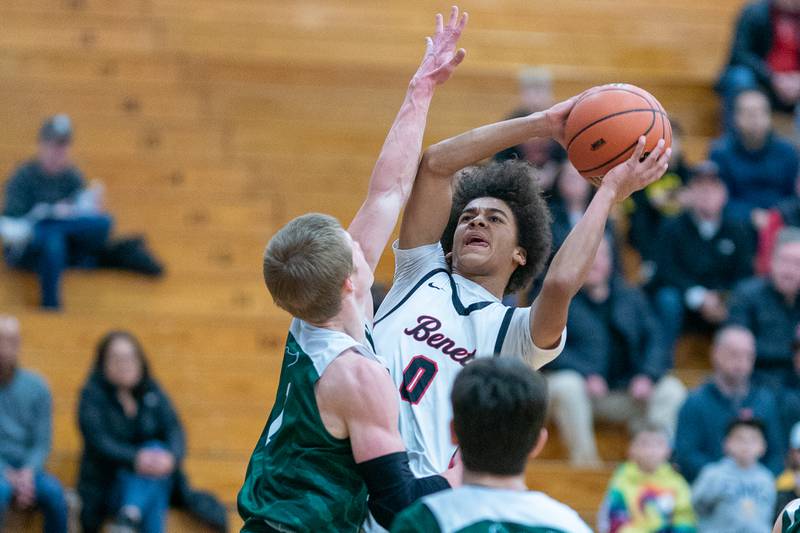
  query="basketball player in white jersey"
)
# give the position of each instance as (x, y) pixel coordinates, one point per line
(468, 237)
(499, 410)
(332, 435)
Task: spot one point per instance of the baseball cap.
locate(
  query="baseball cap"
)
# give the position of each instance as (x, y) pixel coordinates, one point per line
(57, 128)
(794, 437)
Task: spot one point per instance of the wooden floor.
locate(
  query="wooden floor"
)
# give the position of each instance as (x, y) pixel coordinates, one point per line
(213, 123)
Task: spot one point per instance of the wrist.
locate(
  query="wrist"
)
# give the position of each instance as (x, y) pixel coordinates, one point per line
(421, 85)
(539, 124)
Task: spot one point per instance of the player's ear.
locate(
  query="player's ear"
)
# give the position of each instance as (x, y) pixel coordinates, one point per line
(520, 256)
(453, 437)
(540, 442)
(349, 285)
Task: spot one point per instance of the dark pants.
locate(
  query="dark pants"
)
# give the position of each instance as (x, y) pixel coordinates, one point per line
(58, 244)
(49, 499)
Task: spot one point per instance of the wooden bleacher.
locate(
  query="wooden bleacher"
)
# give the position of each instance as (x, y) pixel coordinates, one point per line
(213, 123)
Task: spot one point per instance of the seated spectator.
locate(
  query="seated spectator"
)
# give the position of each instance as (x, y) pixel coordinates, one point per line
(614, 365)
(764, 55)
(758, 167)
(52, 221)
(789, 396)
(649, 208)
(788, 520)
(789, 481)
(133, 445)
(702, 254)
(25, 436)
(727, 396)
(545, 154)
(646, 494)
(770, 308)
(736, 493)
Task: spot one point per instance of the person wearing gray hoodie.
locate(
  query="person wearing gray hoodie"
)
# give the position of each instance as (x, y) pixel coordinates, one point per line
(736, 494)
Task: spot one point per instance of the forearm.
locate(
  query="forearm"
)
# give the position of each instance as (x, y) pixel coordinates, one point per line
(394, 172)
(451, 155)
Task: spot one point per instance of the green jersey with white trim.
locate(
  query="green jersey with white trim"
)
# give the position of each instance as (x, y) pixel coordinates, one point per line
(300, 477)
(476, 509)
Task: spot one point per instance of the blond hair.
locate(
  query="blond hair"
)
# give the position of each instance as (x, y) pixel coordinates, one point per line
(305, 265)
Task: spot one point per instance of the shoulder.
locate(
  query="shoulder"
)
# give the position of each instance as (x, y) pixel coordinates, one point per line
(699, 396)
(33, 382)
(559, 514)
(720, 147)
(751, 286)
(352, 377)
(416, 518)
(23, 171)
(783, 146)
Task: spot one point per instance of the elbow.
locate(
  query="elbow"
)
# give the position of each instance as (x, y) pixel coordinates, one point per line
(560, 284)
(432, 162)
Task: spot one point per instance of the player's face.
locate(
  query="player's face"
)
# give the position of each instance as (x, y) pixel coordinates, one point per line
(785, 271)
(485, 239)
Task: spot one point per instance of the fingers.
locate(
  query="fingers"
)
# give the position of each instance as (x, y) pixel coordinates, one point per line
(638, 152)
(463, 22)
(439, 23)
(453, 17)
(458, 57)
(428, 46)
(657, 151)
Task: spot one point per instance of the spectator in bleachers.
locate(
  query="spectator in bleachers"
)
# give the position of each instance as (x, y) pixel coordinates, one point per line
(770, 308)
(646, 494)
(614, 365)
(736, 493)
(788, 483)
(790, 391)
(649, 208)
(765, 55)
(133, 445)
(728, 395)
(51, 220)
(25, 437)
(702, 254)
(545, 154)
(758, 167)
(785, 214)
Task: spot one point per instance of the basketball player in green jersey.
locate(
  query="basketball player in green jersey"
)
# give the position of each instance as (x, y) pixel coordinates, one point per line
(499, 409)
(332, 436)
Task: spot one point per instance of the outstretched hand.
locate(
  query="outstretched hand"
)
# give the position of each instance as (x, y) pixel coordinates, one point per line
(441, 57)
(637, 172)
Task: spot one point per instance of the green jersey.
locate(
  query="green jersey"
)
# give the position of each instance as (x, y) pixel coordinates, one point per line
(475, 509)
(300, 477)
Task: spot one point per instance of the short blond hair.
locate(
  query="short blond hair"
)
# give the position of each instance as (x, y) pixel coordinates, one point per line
(305, 265)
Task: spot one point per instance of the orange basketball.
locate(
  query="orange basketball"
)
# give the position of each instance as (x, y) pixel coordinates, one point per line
(604, 126)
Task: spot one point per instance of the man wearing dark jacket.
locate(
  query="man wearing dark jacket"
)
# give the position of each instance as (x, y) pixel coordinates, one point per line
(728, 395)
(758, 167)
(614, 364)
(765, 54)
(770, 308)
(702, 254)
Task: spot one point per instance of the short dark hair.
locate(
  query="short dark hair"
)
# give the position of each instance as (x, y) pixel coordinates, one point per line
(513, 182)
(753, 423)
(499, 409)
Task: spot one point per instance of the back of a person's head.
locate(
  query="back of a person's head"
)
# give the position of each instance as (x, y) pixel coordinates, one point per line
(305, 265)
(499, 409)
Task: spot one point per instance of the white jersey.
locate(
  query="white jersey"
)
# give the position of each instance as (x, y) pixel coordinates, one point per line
(430, 324)
(474, 509)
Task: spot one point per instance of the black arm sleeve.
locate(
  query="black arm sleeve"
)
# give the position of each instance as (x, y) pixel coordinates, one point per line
(392, 487)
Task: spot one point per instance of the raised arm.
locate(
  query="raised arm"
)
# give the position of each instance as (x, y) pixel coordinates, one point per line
(393, 175)
(570, 265)
(428, 209)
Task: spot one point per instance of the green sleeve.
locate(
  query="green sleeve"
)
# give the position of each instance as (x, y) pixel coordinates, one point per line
(416, 519)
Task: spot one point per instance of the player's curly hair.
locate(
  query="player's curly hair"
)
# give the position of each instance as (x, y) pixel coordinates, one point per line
(513, 182)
